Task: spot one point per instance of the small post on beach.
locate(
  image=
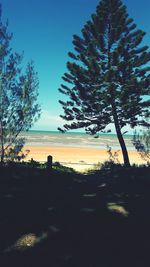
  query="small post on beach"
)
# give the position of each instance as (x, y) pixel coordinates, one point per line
(49, 162)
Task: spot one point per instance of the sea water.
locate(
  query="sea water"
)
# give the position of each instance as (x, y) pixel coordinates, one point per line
(74, 139)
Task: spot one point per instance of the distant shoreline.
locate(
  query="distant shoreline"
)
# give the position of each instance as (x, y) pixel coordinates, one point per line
(72, 132)
(57, 139)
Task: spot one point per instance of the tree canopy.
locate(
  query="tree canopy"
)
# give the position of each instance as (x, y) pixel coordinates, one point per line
(108, 75)
(18, 97)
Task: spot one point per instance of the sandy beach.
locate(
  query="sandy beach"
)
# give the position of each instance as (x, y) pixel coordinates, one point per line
(78, 158)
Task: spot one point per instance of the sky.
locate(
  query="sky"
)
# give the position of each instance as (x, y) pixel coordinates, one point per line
(44, 30)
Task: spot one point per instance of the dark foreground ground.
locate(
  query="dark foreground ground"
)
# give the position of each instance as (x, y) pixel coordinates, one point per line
(62, 219)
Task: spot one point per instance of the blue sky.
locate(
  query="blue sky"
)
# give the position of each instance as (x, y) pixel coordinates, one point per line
(44, 30)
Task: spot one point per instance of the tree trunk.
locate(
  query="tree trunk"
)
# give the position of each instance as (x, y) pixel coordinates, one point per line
(114, 111)
(2, 155)
(2, 150)
(120, 137)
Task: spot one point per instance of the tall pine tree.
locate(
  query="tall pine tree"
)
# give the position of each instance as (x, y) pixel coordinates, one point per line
(108, 76)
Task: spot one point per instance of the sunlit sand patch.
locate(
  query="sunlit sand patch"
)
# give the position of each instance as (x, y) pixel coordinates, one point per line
(101, 185)
(30, 240)
(25, 241)
(114, 207)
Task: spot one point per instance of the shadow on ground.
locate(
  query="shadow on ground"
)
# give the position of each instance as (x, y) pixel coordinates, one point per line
(62, 219)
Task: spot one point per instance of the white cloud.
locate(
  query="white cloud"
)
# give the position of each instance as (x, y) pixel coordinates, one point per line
(48, 121)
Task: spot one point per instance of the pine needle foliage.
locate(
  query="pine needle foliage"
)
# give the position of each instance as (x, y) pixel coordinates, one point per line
(108, 75)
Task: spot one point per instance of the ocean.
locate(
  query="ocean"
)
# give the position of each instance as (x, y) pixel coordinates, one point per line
(72, 139)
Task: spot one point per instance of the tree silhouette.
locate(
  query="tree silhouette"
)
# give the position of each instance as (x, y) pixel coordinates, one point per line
(18, 98)
(108, 77)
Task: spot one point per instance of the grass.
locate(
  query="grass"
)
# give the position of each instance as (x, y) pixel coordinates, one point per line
(66, 219)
